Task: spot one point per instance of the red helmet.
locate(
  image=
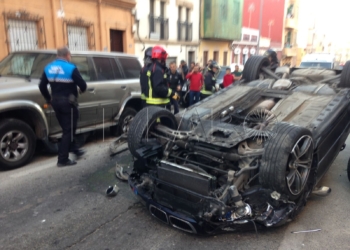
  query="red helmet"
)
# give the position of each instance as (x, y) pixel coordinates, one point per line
(159, 53)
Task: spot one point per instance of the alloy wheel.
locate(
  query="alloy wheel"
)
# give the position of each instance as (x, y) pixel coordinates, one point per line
(299, 165)
(14, 145)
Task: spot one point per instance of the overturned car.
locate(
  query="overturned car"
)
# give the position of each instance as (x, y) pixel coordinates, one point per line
(248, 156)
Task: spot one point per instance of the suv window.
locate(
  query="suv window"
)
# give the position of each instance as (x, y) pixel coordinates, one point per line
(82, 64)
(131, 67)
(25, 64)
(40, 63)
(106, 68)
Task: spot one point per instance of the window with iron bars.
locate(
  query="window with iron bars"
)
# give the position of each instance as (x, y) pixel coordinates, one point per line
(158, 27)
(184, 28)
(24, 31)
(79, 35)
(184, 31)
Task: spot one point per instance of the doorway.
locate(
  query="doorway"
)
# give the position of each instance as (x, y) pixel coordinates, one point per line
(190, 57)
(117, 41)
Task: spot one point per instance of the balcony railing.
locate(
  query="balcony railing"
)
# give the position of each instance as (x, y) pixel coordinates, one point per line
(290, 23)
(184, 31)
(158, 28)
(289, 52)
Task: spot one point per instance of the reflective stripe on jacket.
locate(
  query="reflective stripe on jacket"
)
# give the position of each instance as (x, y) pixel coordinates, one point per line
(158, 91)
(152, 99)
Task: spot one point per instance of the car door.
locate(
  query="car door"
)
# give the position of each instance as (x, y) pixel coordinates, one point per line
(334, 134)
(131, 69)
(110, 87)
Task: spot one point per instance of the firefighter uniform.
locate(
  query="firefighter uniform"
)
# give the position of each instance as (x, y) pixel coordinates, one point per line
(209, 84)
(158, 92)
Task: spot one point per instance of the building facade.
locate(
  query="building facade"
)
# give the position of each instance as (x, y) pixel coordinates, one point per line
(245, 47)
(272, 29)
(220, 24)
(79, 24)
(172, 24)
(290, 53)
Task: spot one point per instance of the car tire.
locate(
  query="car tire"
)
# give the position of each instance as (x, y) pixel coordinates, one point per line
(345, 76)
(24, 146)
(124, 122)
(287, 160)
(348, 169)
(142, 125)
(252, 68)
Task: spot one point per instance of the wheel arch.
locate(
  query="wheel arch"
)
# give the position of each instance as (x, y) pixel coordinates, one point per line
(28, 112)
(134, 101)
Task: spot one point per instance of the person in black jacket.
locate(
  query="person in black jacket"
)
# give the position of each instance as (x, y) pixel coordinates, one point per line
(175, 83)
(158, 92)
(147, 60)
(64, 78)
(209, 80)
(184, 68)
(272, 56)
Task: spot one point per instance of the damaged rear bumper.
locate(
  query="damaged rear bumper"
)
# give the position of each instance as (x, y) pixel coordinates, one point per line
(183, 219)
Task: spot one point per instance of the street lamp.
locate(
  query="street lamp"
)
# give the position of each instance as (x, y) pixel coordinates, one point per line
(271, 22)
(251, 9)
(260, 24)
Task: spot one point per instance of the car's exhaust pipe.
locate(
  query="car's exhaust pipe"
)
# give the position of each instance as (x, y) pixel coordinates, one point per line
(182, 224)
(322, 191)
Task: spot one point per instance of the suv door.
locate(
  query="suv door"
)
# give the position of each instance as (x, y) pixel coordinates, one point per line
(131, 69)
(110, 87)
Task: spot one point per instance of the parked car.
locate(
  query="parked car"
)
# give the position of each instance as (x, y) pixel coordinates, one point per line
(249, 155)
(319, 60)
(112, 99)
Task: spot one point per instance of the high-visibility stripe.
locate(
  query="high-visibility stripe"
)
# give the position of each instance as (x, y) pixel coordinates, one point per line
(150, 99)
(206, 92)
(143, 97)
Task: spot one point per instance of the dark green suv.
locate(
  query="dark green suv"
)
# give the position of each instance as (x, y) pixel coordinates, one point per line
(112, 99)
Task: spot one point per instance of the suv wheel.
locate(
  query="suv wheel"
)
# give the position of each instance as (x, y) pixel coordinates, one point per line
(124, 122)
(17, 143)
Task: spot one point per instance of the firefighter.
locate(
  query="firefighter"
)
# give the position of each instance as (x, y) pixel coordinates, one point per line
(147, 60)
(175, 83)
(209, 80)
(272, 55)
(158, 92)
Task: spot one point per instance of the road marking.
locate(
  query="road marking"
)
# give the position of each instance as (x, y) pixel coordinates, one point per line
(51, 163)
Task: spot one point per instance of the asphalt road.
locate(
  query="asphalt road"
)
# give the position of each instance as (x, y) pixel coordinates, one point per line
(45, 207)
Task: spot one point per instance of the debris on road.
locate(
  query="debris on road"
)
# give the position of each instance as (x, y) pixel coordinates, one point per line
(112, 191)
(120, 173)
(306, 231)
(119, 145)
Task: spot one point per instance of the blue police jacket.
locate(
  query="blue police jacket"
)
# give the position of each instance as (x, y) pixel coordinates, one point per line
(63, 78)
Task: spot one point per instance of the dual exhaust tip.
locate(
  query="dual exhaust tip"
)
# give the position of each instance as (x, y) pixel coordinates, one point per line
(172, 220)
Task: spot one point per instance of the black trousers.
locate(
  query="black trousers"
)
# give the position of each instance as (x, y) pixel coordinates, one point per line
(144, 104)
(67, 115)
(175, 103)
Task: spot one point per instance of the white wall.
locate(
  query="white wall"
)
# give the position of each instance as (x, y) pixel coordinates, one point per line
(174, 47)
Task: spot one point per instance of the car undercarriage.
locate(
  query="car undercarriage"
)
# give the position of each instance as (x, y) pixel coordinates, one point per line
(246, 157)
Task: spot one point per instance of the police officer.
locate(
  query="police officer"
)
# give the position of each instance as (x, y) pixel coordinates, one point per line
(175, 83)
(64, 78)
(209, 80)
(147, 60)
(158, 92)
(272, 56)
